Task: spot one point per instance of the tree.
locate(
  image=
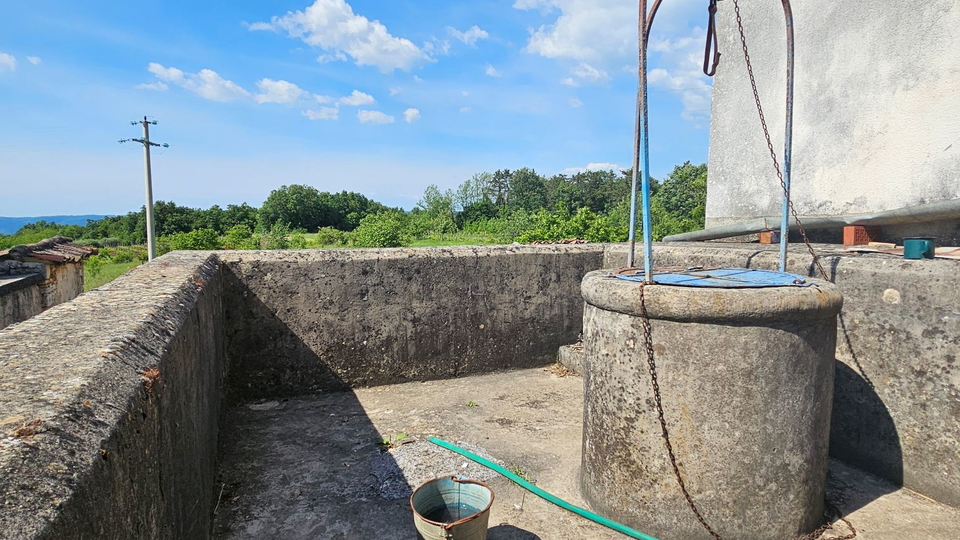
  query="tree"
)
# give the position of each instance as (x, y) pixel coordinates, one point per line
(297, 206)
(527, 191)
(474, 190)
(684, 191)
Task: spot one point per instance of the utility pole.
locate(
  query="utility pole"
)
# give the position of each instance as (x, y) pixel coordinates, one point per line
(148, 178)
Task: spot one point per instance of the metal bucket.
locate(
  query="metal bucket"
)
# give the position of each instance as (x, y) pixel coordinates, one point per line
(452, 508)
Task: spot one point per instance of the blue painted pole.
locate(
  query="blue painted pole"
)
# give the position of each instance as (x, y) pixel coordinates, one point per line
(787, 140)
(644, 146)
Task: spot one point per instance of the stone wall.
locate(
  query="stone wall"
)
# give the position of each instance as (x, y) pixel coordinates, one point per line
(877, 114)
(110, 408)
(896, 410)
(63, 283)
(307, 321)
(19, 298)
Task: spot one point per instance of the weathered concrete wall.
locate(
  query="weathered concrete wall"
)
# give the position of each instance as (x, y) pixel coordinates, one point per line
(19, 298)
(93, 442)
(307, 321)
(896, 409)
(877, 115)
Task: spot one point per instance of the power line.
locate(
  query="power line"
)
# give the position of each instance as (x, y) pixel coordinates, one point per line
(148, 178)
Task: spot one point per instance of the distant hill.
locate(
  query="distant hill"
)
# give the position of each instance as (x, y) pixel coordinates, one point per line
(10, 225)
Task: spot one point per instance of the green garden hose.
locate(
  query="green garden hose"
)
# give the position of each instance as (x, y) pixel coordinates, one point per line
(541, 493)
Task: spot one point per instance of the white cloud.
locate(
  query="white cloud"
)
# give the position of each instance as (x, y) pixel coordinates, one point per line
(394, 91)
(335, 56)
(159, 86)
(322, 99)
(584, 72)
(411, 115)
(575, 103)
(325, 113)
(465, 109)
(492, 71)
(683, 75)
(35, 60)
(286, 92)
(592, 167)
(437, 47)
(7, 62)
(356, 99)
(373, 117)
(172, 74)
(207, 84)
(417, 79)
(534, 4)
(589, 73)
(471, 36)
(334, 27)
(585, 30)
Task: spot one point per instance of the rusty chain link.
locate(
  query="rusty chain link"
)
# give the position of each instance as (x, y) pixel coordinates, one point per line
(773, 153)
(648, 346)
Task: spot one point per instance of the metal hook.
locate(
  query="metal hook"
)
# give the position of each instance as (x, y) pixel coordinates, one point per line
(711, 69)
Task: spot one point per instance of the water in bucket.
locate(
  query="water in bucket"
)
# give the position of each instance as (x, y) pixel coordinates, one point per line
(452, 508)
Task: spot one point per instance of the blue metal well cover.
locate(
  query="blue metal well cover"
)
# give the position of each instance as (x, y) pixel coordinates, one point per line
(719, 278)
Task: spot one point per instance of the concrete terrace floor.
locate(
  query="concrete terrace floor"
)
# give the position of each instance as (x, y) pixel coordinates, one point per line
(311, 467)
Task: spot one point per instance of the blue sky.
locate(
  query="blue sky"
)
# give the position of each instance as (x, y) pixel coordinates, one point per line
(378, 97)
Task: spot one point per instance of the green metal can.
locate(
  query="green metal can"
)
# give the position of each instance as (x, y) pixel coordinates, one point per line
(919, 248)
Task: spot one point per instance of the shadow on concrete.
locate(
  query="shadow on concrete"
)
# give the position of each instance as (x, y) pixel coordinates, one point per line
(862, 432)
(509, 532)
(298, 468)
(291, 368)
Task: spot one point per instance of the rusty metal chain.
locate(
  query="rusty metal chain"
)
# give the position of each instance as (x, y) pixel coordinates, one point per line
(651, 364)
(773, 153)
(829, 509)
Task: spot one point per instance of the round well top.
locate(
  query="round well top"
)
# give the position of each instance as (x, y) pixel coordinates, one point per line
(820, 299)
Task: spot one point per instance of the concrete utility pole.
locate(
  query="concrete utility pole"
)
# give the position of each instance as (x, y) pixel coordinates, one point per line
(145, 141)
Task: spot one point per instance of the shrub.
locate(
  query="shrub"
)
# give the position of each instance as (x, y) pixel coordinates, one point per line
(385, 229)
(276, 237)
(297, 240)
(199, 239)
(239, 237)
(94, 265)
(328, 236)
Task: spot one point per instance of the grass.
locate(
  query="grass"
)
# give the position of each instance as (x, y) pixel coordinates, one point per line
(389, 442)
(107, 273)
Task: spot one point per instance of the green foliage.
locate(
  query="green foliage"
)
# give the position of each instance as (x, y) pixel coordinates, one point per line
(684, 192)
(276, 237)
(297, 240)
(527, 191)
(199, 239)
(240, 236)
(304, 207)
(94, 265)
(561, 225)
(386, 229)
(328, 236)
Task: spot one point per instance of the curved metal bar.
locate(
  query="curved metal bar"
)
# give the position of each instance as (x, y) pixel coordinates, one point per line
(788, 138)
(641, 155)
(653, 13)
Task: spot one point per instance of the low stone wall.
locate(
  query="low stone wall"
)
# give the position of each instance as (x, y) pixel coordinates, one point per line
(20, 298)
(896, 409)
(109, 409)
(308, 321)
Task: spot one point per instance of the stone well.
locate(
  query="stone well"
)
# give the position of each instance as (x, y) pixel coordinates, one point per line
(746, 378)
